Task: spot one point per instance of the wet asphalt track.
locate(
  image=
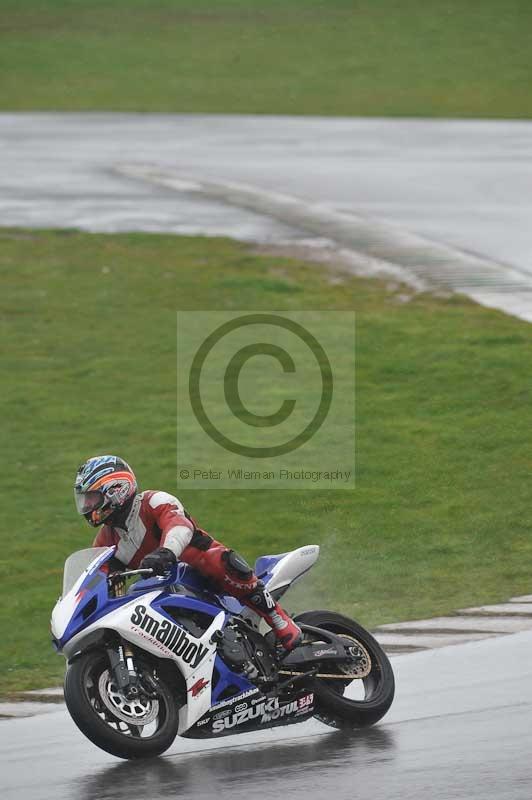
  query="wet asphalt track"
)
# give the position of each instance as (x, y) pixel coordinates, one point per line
(462, 182)
(461, 727)
(411, 194)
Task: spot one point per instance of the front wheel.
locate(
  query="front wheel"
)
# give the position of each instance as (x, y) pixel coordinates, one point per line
(351, 702)
(142, 728)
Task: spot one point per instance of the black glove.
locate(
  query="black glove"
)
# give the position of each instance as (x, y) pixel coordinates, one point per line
(160, 561)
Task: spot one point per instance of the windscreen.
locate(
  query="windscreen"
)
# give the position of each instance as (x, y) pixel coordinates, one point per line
(77, 563)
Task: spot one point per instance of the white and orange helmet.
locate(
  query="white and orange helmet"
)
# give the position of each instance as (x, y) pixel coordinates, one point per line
(104, 485)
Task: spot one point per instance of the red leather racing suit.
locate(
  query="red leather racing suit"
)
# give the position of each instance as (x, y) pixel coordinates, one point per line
(158, 519)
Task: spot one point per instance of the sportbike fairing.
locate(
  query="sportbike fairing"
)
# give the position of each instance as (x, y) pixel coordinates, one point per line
(152, 616)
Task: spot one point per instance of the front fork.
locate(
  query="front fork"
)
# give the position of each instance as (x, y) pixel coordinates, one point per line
(121, 657)
(121, 660)
(129, 680)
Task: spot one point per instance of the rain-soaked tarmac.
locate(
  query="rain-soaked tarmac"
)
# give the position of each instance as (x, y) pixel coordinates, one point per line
(460, 727)
(462, 183)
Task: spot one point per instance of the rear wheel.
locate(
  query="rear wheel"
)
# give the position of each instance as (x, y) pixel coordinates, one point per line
(140, 728)
(350, 702)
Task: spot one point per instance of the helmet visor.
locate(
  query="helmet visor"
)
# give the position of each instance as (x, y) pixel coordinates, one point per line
(88, 501)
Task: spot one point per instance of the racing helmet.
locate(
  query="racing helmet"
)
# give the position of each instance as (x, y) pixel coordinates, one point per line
(104, 485)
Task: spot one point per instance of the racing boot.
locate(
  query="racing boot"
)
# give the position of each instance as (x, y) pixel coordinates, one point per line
(233, 575)
(285, 629)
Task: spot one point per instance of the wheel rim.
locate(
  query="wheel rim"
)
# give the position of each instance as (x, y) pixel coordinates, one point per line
(142, 718)
(363, 689)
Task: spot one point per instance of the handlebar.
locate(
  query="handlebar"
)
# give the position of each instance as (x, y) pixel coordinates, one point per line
(128, 572)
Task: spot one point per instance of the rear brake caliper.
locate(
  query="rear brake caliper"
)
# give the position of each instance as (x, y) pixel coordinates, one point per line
(360, 666)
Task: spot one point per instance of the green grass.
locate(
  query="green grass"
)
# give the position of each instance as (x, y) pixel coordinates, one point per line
(341, 57)
(440, 517)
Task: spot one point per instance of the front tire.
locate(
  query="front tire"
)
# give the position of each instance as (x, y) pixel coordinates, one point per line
(335, 708)
(143, 729)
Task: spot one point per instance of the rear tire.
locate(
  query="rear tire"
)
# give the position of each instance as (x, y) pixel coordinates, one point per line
(92, 714)
(332, 707)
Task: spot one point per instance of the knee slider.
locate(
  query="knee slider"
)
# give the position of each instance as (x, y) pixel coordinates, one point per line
(237, 565)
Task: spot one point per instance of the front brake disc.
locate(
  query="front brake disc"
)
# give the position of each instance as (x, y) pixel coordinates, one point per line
(133, 712)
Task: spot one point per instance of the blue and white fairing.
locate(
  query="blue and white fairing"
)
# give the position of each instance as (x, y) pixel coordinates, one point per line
(280, 572)
(148, 617)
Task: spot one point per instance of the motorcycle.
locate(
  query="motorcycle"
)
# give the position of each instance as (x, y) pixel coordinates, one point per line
(158, 657)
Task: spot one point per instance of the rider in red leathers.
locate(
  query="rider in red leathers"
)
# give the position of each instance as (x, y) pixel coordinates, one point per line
(152, 530)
